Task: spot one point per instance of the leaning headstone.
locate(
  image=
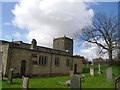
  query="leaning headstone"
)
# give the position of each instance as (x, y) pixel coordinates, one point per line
(25, 82)
(10, 75)
(66, 83)
(117, 83)
(91, 71)
(109, 74)
(75, 82)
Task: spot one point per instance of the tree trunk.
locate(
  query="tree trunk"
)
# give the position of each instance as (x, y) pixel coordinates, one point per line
(110, 57)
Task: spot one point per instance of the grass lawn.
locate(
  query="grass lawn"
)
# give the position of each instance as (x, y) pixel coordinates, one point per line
(97, 81)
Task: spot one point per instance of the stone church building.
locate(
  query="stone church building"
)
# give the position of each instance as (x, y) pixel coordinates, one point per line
(37, 61)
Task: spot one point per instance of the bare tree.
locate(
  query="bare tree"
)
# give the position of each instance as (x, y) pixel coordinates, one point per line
(103, 32)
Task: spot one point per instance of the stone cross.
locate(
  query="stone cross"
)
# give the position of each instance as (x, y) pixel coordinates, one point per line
(10, 75)
(25, 82)
(75, 82)
(109, 74)
(91, 71)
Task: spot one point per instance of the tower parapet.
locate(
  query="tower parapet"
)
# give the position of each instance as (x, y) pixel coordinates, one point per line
(64, 44)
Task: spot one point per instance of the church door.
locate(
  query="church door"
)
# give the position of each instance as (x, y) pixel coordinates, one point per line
(75, 68)
(23, 67)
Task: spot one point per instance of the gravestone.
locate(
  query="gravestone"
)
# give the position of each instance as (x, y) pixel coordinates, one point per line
(0, 80)
(109, 74)
(91, 71)
(118, 86)
(0, 76)
(25, 82)
(71, 73)
(75, 82)
(10, 75)
(83, 78)
(87, 65)
(117, 83)
(99, 67)
(65, 83)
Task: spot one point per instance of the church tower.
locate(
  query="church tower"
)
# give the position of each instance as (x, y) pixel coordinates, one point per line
(64, 44)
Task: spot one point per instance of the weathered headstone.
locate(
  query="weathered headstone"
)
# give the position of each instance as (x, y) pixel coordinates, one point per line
(99, 67)
(109, 74)
(83, 78)
(10, 75)
(91, 71)
(117, 83)
(65, 83)
(0, 76)
(87, 65)
(25, 82)
(71, 73)
(75, 82)
(0, 80)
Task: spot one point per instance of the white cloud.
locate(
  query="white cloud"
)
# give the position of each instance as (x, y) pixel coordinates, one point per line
(7, 23)
(17, 35)
(91, 50)
(9, 0)
(69, 0)
(47, 19)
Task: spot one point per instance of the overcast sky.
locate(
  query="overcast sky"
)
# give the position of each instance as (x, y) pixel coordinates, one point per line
(44, 20)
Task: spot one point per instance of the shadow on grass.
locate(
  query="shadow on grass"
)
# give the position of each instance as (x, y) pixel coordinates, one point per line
(4, 80)
(16, 83)
(13, 83)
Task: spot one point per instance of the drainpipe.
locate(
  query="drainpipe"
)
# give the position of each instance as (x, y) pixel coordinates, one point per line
(72, 64)
(51, 66)
(9, 56)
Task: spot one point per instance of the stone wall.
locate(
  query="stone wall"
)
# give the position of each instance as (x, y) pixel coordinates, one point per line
(14, 55)
(17, 56)
(78, 61)
(4, 49)
(36, 70)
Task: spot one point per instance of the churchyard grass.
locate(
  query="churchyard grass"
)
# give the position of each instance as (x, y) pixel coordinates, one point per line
(97, 81)
(51, 82)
